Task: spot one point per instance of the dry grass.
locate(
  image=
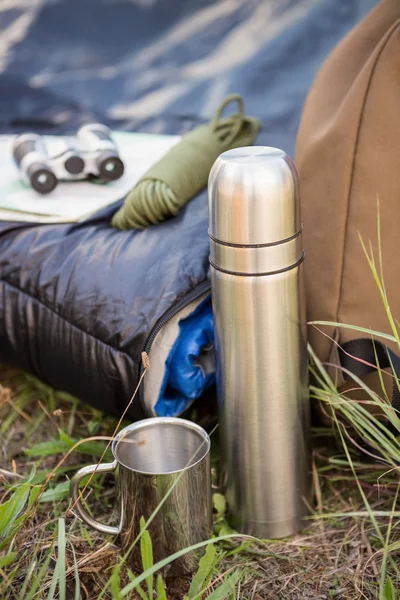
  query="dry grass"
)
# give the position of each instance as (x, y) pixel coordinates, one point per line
(339, 555)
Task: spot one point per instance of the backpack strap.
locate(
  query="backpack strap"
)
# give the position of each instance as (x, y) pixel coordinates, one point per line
(374, 353)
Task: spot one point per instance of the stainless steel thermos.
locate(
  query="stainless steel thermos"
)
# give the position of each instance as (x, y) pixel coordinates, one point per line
(256, 258)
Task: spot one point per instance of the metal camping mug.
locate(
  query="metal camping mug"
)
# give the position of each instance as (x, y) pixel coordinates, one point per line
(158, 460)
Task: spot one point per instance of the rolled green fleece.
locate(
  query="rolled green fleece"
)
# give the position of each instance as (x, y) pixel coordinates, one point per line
(184, 170)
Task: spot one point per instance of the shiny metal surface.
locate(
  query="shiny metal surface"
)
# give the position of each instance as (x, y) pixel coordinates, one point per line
(253, 197)
(260, 326)
(156, 459)
(74, 493)
(263, 259)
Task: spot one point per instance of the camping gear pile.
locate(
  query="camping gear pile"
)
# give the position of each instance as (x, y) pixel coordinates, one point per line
(79, 302)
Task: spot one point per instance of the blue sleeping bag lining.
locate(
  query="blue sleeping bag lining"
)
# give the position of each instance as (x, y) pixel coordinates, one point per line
(184, 379)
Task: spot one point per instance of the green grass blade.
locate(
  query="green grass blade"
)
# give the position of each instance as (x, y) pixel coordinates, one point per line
(47, 449)
(76, 573)
(355, 514)
(141, 592)
(66, 397)
(35, 583)
(369, 332)
(58, 492)
(30, 575)
(166, 561)
(395, 545)
(239, 549)
(322, 375)
(226, 588)
(36, 425)
(36, 580)
(379, 371)
(378, 227)
(35, 491)
(385, 549)
(388, 592)
(146, 551)
(10, 510)
(219, 504)
(7, 559)
(365, 500)
(380, 284)
(205, 569)
(368, 426)
(59, 571)
(161, 591)
(138, 588)
(61, 558)
(20, 403)
(91, 448)
(41, 475)
(53, 585)
(65, 443)
(115, 583)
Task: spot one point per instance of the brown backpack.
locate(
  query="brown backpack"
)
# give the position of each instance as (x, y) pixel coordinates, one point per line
(348, 157)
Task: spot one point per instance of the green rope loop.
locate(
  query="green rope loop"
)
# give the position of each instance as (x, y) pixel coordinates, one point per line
(184, 170)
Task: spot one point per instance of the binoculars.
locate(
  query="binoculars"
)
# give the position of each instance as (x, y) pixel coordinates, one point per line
(90, 154)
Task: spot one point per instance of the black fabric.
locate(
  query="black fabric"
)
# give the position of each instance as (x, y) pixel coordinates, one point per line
(362, 356)
(78, 302)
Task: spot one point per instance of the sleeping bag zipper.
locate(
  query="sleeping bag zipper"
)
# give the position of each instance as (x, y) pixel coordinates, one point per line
(194, 294)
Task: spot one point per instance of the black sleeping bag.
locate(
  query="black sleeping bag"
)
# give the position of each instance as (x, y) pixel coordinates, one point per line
(80, 302)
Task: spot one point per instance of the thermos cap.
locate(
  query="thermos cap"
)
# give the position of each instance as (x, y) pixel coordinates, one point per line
(253, 197)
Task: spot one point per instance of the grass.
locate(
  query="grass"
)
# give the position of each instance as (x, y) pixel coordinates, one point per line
(348, 550)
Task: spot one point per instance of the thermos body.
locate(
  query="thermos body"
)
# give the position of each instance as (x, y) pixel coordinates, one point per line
(256, 259)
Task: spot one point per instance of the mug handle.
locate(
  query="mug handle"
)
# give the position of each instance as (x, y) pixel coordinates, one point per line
(74, 493)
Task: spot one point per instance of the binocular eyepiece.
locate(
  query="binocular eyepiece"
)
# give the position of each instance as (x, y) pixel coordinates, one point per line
(97, 139)
(91, 153)
(31, 157)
